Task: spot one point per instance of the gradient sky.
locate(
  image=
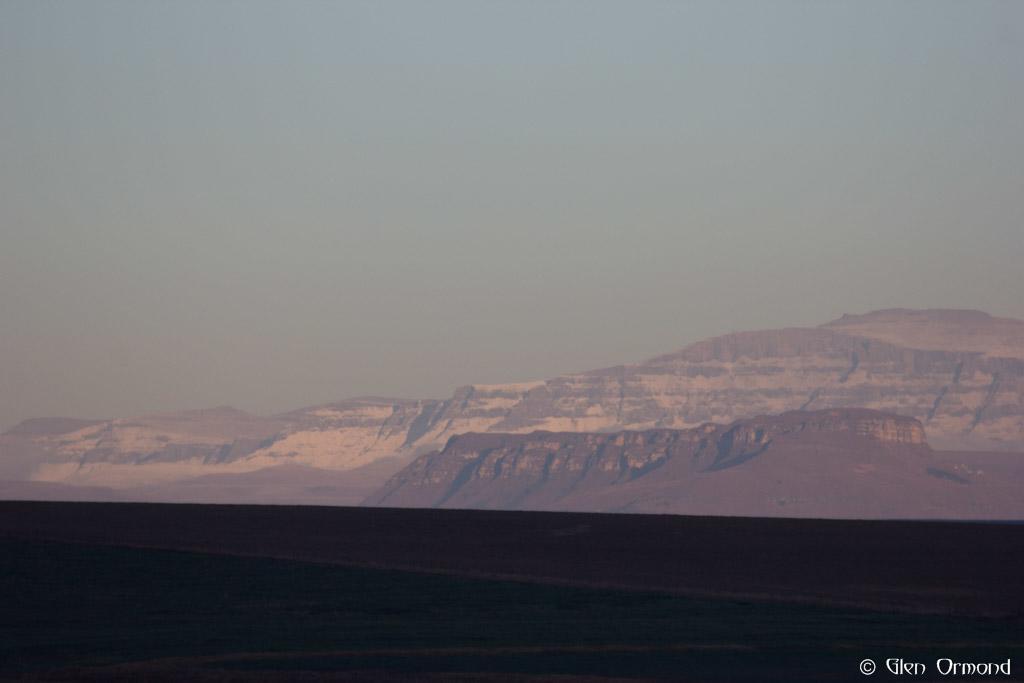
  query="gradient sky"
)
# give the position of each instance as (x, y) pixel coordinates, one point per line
(270, 205)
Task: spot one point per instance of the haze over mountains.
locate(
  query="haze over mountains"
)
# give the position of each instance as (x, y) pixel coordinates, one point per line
(960, 374)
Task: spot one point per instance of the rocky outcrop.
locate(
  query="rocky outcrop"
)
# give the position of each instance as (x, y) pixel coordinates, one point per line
(565, 463)
(831, 463)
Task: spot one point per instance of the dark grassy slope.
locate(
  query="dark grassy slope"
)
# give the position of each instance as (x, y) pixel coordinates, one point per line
(91, 612)
(935, 567)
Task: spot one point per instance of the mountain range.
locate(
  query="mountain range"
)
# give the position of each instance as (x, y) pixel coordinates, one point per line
(958, 373)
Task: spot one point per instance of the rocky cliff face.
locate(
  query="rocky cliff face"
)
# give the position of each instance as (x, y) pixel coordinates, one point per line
(960, 373)
(831, 463)
(539, 456)
(164, 448)
(953, 381)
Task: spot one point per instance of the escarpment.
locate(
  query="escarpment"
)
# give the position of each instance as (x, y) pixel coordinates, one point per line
(827, 463)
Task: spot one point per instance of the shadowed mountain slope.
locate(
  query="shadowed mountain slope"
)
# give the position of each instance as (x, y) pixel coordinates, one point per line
(851, 463)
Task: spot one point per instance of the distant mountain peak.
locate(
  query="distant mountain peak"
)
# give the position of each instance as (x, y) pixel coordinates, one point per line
(954, 316)
(50, 426)
(964, 330)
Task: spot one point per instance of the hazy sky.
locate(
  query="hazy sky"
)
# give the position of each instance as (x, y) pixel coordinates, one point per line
(270, 205)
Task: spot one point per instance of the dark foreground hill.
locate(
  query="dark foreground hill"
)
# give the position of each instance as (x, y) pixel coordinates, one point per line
(839, 463)
(127, 592)
(947, 567)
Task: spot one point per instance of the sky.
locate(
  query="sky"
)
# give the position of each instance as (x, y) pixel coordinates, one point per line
(276, 204)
